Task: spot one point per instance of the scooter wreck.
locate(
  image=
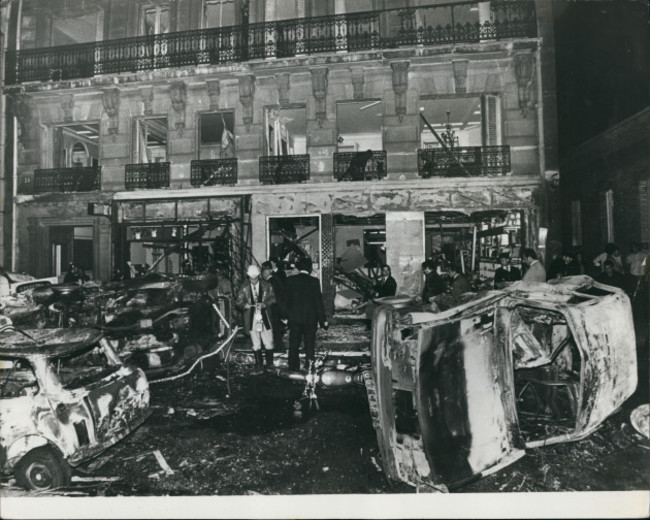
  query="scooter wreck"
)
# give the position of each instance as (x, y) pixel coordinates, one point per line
(460, 394)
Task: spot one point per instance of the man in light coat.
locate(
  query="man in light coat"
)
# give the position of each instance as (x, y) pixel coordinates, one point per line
(535, 271)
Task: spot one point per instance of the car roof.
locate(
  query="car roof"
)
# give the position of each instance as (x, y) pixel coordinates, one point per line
(46, 342)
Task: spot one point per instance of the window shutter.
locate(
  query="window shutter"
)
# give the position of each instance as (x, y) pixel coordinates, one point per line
(644, 207)
(492, 120)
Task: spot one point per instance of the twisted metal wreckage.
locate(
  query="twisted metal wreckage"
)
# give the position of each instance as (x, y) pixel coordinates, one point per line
(454, 393)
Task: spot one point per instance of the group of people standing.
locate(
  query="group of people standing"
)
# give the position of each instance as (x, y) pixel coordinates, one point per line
(269, 299)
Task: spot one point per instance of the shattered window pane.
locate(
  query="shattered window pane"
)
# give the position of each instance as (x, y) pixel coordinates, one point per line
(17, 378)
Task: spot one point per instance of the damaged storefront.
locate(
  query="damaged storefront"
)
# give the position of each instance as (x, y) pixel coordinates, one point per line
(361, 227)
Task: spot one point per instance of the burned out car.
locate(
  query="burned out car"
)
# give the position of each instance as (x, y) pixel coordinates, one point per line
(65, 396)
(460, 394)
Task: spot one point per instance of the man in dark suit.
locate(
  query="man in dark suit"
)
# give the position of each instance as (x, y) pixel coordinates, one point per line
(506, 273)
(387, 285)
(305, 311)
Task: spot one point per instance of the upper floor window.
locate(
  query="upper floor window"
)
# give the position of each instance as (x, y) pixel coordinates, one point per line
(286, 130)
(155, 19)
(218, 13)
(76, 145)
(462, 122)
(359, 125)
(151, 140)
(216, 139)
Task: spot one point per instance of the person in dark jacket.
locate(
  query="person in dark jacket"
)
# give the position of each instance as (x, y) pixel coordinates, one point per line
(305, 311)
(387, 285)
(433, 283)
(277, 310)
(459, 283)
(506, 273)
(610, 276)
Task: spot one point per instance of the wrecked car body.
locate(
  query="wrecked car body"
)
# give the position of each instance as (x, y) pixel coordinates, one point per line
(462, 393)
(65, 397)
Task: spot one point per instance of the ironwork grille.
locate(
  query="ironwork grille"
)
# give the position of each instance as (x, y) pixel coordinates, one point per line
(61, 180)
(327, 262)
(146, 176)
(212, 172)
(284, 169)
(360, 166)
(422, 25)
(468, 160)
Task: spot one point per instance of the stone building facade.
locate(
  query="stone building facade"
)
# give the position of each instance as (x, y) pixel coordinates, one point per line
(177, 113)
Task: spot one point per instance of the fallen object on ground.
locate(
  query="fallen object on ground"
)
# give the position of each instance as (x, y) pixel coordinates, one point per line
(460, 394)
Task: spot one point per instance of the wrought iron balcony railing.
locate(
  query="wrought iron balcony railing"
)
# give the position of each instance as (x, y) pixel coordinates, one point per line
(67, 180)
(468, 160)
(212, 172)
(284, 169)
(144, 176)
(360, 166)
(469, 21)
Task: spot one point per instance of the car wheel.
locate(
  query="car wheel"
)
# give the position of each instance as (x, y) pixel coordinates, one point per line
(42, 469)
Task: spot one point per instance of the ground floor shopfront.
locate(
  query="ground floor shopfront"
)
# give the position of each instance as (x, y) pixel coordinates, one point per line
(399, 224)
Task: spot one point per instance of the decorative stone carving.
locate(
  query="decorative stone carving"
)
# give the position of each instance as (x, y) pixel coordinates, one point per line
(68, 107)
(400, 86)
(146, 95)
(246, 96)
(357, 82)
(319, 88)
(111, 102)
(284, 85)
(24, 112)
(214, 93)
(524, 72)
(460, 75)
(178, 96)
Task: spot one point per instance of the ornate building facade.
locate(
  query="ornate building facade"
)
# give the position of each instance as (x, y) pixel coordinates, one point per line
(403, 127)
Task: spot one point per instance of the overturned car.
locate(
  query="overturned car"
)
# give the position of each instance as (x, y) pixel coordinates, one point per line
(65, 396)
(460, 394)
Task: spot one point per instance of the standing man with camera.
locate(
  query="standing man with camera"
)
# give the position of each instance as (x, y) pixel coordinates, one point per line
(305, 311)
(254, 299)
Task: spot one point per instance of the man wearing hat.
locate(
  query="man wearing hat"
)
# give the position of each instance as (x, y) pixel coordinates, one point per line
(254, 299)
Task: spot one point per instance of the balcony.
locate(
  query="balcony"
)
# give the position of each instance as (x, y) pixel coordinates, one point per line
(213, 172)
(388, 28)
(146, 176)
(360, 166)
(65, 180)
(475, 161)
(284, 169)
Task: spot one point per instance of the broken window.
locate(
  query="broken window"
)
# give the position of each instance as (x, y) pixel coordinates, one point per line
(461, 121)
(286, 130)
(217, 135)
(291, 238)
(359, 125)
(17, 378)
(547, 372)
(151, 140)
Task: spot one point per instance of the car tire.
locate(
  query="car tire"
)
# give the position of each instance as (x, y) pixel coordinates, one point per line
(42, 469)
